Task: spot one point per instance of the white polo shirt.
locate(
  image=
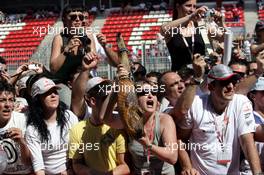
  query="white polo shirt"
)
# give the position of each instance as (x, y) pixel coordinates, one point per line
(204, 143)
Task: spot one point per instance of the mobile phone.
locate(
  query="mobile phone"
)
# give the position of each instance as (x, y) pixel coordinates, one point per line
(33, 67)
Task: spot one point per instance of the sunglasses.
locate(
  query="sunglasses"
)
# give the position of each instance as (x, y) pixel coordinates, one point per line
(145, 92)
(241, 74)
(224, 83)
(74, 17)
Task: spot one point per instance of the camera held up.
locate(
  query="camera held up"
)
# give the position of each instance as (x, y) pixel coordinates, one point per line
(85, 42)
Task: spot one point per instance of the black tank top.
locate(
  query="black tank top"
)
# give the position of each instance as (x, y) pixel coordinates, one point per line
(70, 64)
(180, 54)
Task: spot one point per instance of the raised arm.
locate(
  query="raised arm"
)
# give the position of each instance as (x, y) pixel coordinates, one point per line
(185, 100)
(216, 32)
(106, 113)
(166, 29)
(78, 105)
(112, 56)
(244, 86)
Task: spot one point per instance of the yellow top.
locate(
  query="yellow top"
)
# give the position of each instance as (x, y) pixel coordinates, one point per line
(98, 146)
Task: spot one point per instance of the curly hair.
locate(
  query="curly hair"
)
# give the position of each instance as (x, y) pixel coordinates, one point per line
(36, 118)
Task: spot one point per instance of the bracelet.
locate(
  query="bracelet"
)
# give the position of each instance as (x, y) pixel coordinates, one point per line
(149, 146)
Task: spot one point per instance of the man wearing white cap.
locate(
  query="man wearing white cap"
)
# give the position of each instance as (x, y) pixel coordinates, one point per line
(92, 140)
(218, 124)
(97, 140)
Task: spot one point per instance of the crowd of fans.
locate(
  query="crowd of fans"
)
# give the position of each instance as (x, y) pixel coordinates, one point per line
(200, 117)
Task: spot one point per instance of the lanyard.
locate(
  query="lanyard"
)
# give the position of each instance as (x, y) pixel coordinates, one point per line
(151, 137)
(221, 132)
(192, 44)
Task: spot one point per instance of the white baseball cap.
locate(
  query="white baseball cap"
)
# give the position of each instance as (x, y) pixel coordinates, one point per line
(91, 83)
(42, 86)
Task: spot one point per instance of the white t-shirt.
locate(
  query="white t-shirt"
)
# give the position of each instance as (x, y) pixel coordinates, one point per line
(15, 165)
(204, 143)
(245, 168)
(50, 156)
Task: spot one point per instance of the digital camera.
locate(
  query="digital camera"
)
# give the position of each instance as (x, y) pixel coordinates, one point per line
(209, 14)
(33, 67)
(83, 49)
(4, 135)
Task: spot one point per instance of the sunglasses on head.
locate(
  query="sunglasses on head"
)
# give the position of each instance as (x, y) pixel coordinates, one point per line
(74, 17)
(144, 92)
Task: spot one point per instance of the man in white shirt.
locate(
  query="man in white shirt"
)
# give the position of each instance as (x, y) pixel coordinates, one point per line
(12, 129)
(218, 124)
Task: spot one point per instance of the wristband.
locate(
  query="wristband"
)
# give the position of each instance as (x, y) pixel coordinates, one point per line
(197, 81)
(149, 146)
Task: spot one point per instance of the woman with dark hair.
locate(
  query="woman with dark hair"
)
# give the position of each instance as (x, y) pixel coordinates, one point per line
(183, 35)
(76, 40)
(48, 124)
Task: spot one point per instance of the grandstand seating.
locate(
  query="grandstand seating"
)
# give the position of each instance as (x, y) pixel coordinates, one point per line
(135, 28)
(260, 9)
(19, 41)
(140, 26)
